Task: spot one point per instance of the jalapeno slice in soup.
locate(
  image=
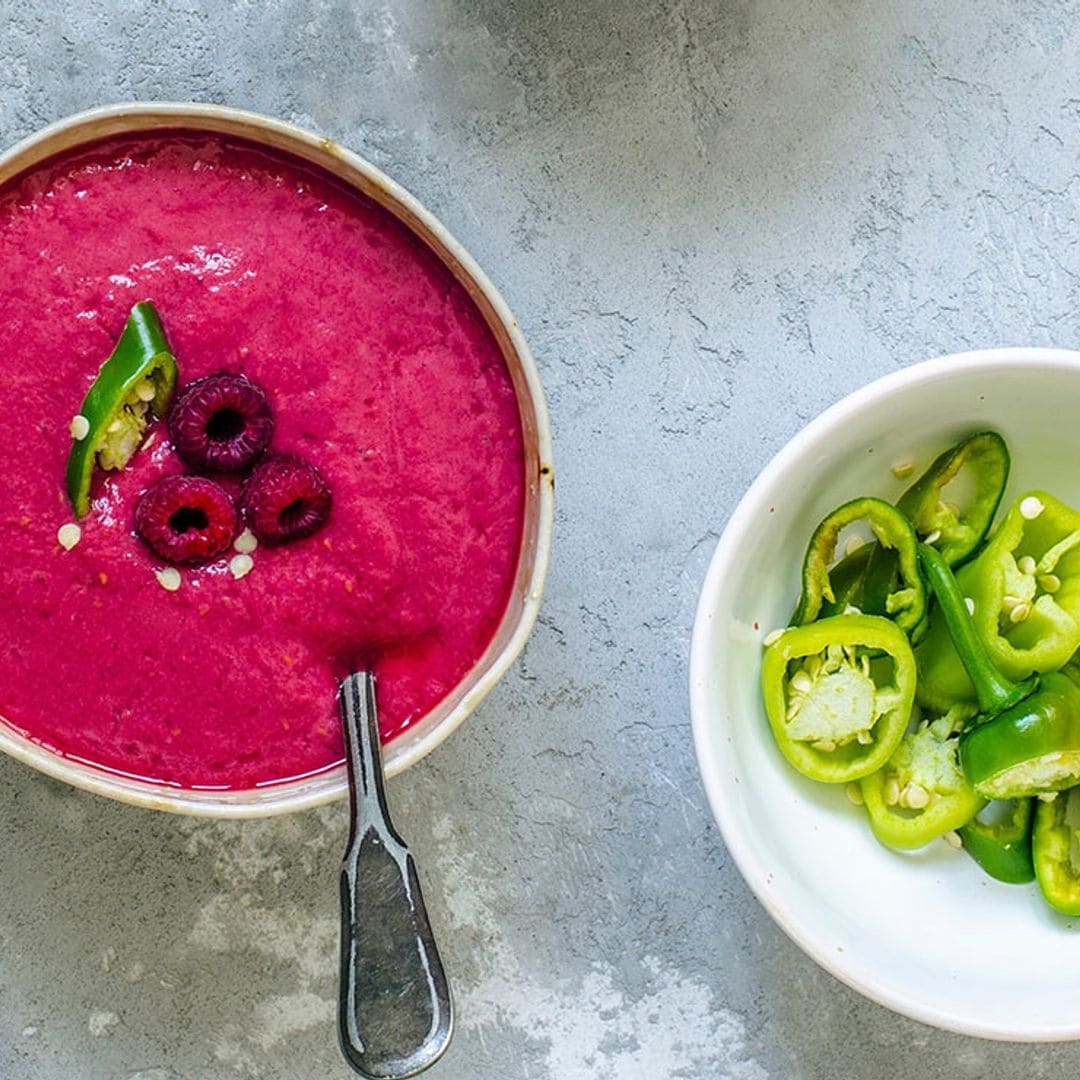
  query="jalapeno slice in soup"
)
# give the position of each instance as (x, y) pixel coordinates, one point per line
(134, 384)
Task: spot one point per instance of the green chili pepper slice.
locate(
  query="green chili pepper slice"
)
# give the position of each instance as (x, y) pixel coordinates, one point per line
(993, 691)
(1033, 747)
(1027, 740)
(985, 457)
(838, 694)
(921, 792)
(982, 460)
(1056, 846)
(906, 604)
(1002, 847)
(1024, 587)
(137, 380)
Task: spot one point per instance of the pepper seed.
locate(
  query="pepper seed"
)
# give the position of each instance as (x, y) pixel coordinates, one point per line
(80, 427)
(933, 538)
(168, 578)
(1031, 508)
(916, 796)
(1026, 565)
(69, 535)
(1019, 613)
(902, 469)
(952, 838)
(853, 545)
(1049, 583)
(770, 638)
(802, 683)
(241, 565)
(854, 793)
(247, 542)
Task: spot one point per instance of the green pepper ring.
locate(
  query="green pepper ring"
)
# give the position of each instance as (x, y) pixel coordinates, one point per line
(870, 631)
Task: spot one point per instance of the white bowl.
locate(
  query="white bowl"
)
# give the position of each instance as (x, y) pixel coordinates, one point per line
(927, 934)
(520, 615)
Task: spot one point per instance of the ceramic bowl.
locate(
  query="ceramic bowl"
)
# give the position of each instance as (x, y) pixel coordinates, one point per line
(518, 619)
(927, 934)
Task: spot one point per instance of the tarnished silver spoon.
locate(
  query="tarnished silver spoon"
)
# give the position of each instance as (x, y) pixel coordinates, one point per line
(395, 1015)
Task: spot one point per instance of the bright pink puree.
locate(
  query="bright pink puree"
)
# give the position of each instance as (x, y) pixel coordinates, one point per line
(380, 371)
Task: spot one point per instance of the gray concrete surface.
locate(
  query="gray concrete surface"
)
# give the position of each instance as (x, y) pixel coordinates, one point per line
(712, 218)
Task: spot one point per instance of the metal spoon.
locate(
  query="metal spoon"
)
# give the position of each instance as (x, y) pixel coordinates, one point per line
(395, 1015)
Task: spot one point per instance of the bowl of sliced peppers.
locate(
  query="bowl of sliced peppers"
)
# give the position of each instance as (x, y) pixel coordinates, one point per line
(885, 688)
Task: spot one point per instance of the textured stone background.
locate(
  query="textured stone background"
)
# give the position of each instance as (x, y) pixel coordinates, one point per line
(712, 218)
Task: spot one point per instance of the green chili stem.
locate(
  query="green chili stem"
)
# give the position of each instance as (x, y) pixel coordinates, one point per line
(994, 692)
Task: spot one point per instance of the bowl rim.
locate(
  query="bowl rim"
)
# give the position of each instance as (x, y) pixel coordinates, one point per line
(304, 792)
(717, 789)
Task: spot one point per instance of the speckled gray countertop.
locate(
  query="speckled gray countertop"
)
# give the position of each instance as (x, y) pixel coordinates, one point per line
(712, 219)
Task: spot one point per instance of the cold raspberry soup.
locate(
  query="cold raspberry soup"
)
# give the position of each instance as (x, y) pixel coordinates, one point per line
(379, 371)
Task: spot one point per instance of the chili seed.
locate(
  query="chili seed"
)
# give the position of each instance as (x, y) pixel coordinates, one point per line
(80, 427)
(1026, 565)
(1019, 613)
(145, 391)
(802, 683)
(853, 545)
(1049, 583)
(247, 542)
(902, 469)
(854, 793)
(1047, 796)
(892, 792)
(769, 639)
(69, 535)
(952, 838)
(864, 738)
(241, 565)
(1031, 508)
(916, 796)
(826, 746)
(168, 578)
(933, 538)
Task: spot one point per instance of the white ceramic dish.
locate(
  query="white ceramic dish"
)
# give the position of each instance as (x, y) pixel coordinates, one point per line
(927, 934)
(517, 621)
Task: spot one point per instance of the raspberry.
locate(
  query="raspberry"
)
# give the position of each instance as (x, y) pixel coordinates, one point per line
(284, 499)
(221, 423)
(186, 519)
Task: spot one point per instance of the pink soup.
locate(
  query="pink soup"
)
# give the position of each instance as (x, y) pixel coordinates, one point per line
(380, 371)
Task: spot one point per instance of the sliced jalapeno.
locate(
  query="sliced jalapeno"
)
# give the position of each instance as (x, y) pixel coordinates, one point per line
(985, 457)
(1002, 847)
(136, 381)
(902, 600)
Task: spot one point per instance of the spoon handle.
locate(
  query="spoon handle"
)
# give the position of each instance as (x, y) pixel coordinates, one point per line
(395, 1015)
